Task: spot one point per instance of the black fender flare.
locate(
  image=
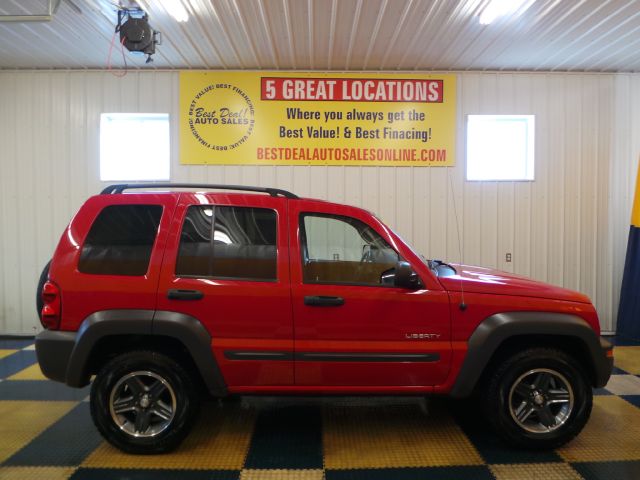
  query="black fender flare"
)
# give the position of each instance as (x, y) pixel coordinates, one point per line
(184, 328)
(495, 329)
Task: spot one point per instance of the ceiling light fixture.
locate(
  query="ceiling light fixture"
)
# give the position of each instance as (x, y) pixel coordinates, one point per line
(500, 8)
(176, 10)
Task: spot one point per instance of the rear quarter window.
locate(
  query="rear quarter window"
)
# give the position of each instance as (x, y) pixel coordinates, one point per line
(121, 240)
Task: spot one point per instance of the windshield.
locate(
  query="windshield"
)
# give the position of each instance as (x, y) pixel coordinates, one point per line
(438, 267)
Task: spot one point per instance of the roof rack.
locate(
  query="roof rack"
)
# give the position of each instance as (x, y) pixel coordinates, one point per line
(121, 187)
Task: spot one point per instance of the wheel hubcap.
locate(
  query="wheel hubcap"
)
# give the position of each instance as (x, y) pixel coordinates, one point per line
(541, 400)
(142, 404)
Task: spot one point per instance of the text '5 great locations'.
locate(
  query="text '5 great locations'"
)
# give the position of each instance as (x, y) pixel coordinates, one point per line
(352, 89)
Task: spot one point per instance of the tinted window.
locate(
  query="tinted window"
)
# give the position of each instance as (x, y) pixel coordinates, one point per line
(339, 249)
(228, 242)
(195, 253)
(121, 240)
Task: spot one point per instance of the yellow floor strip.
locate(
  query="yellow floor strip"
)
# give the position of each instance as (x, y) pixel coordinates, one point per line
(23, 420)
(36, 473)
(220, 440)
(393, 436)
(628, 359)
(6, 352)
(30, 373)
(535, 471)
(281, 475)
(612, 433)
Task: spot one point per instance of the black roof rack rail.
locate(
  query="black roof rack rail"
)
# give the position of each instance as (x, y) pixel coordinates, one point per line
(121, 187)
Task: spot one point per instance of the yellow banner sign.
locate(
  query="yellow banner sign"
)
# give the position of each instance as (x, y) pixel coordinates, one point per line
(294, 118)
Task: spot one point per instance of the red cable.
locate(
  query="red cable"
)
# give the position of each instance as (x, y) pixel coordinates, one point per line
(109, 69)
(124, 57)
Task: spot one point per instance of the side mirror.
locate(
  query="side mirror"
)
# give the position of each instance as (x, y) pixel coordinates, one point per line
(405, 277)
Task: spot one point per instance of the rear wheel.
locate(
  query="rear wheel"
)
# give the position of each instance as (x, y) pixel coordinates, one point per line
(539, 398)
(143, 402)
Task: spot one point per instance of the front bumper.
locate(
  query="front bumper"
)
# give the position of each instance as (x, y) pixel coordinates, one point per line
(53, 349)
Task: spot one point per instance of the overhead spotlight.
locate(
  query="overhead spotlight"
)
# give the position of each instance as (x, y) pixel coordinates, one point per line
(136, 35)
(500, 8)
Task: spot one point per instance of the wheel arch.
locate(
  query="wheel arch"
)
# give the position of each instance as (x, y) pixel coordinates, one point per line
(107, 333)
(503, 334)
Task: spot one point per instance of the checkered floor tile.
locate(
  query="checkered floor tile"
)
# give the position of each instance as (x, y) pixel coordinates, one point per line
(46, 433)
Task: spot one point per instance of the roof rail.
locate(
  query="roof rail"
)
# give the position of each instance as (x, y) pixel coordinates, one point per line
(121, 187)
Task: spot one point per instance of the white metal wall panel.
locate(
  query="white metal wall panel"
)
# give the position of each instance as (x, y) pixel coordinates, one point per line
(568, 227)
(626, 149)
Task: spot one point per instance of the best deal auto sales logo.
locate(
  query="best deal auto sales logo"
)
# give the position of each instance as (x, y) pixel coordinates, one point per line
(221, 117)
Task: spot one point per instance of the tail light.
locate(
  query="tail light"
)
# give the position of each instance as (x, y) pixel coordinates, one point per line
(50, 315)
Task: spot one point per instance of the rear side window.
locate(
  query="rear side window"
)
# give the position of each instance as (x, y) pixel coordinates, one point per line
(228, 242)
(121, 240)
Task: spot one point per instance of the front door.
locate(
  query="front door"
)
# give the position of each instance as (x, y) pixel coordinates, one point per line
(227, 265)
(353, 327)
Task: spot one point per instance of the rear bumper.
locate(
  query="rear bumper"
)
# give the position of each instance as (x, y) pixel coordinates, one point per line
(603, 363)
(53, 349)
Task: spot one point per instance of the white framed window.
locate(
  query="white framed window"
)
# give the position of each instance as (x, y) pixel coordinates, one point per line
(134, 146)
(500, 147)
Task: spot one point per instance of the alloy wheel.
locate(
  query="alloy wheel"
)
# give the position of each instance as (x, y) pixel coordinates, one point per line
(142, 404)
(541, 400)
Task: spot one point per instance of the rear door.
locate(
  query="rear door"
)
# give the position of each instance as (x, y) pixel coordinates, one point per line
(227, 265)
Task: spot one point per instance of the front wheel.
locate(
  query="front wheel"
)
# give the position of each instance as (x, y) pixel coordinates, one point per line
(143, 402)
(539, 398)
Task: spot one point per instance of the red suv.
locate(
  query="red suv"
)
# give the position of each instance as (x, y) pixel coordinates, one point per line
(162, 294)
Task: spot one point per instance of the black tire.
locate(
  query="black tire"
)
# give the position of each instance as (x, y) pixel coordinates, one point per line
(43, 278)
(185, 397)
(504, 388)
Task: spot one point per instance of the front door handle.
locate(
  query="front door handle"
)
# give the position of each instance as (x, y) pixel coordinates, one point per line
(184, 295)
(322, 301)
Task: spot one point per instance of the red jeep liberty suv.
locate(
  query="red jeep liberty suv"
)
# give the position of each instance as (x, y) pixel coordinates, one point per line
(163, 293)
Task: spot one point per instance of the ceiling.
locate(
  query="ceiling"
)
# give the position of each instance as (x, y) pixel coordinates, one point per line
(544, 35)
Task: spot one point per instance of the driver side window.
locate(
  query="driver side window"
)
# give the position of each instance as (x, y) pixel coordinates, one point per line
(343, 250)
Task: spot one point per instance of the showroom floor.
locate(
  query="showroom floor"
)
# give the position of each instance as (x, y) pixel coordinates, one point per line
(46, 433)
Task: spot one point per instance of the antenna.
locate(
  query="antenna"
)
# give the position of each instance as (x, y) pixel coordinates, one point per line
(463, 306)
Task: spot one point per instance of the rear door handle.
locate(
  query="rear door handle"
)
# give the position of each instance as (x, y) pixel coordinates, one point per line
(322, 301)
(184, 294)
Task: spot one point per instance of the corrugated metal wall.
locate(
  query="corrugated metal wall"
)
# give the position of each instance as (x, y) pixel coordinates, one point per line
(568, 227)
